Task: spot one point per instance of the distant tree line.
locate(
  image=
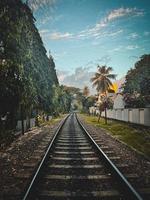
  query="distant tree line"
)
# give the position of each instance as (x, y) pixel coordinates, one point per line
(27, 75)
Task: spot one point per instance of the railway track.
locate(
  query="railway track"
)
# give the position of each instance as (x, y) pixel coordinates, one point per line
(74, 167)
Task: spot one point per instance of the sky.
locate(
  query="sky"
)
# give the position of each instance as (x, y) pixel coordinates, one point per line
(80, 34)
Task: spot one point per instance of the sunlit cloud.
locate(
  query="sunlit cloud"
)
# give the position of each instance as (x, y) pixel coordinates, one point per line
(79, 78)
(122, 12)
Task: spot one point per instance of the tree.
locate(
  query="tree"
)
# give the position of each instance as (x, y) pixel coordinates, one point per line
(102, 82)
(61, 99)
(84, 98)
(86, 91)
(136, 88)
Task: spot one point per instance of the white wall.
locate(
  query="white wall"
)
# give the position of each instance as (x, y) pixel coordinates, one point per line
(135, 115)
(119, 102)
(19, 124)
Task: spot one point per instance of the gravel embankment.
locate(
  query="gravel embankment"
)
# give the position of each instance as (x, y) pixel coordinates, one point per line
(19, 152)
(137, 163)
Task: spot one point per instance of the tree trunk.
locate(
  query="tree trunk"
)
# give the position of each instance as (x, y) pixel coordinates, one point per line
(22, 120)
(28, 121)
(99, 116)
(36, 118)
(105, 115)
(106, 109)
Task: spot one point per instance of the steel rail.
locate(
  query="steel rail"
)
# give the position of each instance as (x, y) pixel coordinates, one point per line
(125, 183)
(34, 179)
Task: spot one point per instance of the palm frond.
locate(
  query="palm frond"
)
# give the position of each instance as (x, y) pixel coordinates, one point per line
(108, 70)
(102, 69)
(101, 79)
(112, 76)
(109, 83)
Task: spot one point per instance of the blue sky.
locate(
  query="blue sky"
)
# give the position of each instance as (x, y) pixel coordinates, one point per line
(83, 33)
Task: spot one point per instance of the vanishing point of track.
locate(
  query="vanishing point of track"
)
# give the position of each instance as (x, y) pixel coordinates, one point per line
(74, 167)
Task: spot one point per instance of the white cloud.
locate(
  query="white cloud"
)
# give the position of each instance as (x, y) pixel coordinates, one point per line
(60, 36)
(115, 33)
(117, 48)
(43, 31)
(80, 78)
(97, 30)
(146, 33)
(61, 74)
(133, 36)
(58, 55)
(116, 14)
(132, 47)
(104, 59)
(123, 48)
(36, 4)
(45, 20)
(122, 12)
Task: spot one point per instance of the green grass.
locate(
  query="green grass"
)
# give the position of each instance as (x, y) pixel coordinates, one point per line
(52, 121)
(135, 136)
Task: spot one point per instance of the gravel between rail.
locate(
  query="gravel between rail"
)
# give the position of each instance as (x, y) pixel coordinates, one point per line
(137, 163)
(18, 153)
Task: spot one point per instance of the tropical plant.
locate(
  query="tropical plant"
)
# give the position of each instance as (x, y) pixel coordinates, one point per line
(102, 82)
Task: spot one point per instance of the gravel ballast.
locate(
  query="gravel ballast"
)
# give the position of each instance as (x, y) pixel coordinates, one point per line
(21, 151)
(137, 162)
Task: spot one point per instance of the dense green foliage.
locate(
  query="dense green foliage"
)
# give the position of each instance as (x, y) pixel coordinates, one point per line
(67, 98)
(27, 75)
(137, 86)
(62, 99)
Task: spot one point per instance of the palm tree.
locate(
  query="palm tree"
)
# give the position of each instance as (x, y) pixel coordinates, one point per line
(102, 82)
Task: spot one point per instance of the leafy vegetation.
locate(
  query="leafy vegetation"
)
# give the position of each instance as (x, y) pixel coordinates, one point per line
(135, 136)
(27, 75)
(137, 86)
(62, 99)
